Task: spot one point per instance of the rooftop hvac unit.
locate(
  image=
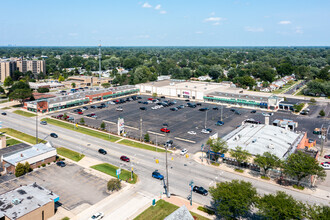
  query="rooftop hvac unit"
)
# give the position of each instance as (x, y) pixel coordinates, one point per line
(271, 146)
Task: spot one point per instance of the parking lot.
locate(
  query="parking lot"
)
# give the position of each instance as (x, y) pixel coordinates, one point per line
(71, 183)
(182, 121)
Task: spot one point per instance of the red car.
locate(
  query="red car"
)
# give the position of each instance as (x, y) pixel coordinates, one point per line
(325, 163)
(166, 130)
(327, 156)
(80, 113)
(124, 158)
(150, 99)
(59, 116)
(66, 117)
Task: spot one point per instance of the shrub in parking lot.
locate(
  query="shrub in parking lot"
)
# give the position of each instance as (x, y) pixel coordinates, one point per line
(82, 121)
(114, 185)
(102, 126)
(65, 116)
(146, 137)
(43, 165)
(322, 113)
(20, 170)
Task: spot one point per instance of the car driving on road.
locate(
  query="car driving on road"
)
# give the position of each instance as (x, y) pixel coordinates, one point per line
(124, 158)
(102, 151)
(157, 175)
(97, 216)
(200, 190)
(166, 130)
(53, 135)
(183, 151)
(192, 132)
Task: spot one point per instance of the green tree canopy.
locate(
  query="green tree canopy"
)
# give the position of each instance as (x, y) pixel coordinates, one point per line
(61, 78)
(239, 154)
(105, 85)
(233, 199)
(267, 161)
(43, 90)
(8, 81)
(102, 126)
(114, 185)
(317, 212)
(300, 165)
(20, 95)
(280, 206)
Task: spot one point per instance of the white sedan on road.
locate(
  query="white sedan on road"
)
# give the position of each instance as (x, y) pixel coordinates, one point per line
(205, 131)
(184, 151)
(192, 132)
(97, 216)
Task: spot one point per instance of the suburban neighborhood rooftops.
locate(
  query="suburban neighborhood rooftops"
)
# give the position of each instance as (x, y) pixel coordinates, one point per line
(25, 199)
(261, 138)
(33, 151)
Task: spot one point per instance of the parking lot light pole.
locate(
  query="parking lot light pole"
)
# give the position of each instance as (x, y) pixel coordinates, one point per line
(166, 147)
(37, 123)
(205, 118)
(191, 184)
(221, 112)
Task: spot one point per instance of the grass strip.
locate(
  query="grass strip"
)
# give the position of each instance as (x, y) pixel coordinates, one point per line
(81, 129)
(11, 141)
(24, 113)
(161, 210)
(21, 136)
(4, 101)
(5, 108)
(140, 145)
(111, 170)
(72, 155)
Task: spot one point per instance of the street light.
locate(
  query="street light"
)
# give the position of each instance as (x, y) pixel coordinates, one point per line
(166, 147)
(191, 184)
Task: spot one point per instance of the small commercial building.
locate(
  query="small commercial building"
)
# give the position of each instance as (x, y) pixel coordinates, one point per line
(83, 81)
(49, 85)
(35, 155)
(78, 98)
(31, 202)
(260, 138)
(223, 93)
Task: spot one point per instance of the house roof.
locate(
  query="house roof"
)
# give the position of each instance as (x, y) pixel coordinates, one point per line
(13, 149)
(25, 199)
(181, 213)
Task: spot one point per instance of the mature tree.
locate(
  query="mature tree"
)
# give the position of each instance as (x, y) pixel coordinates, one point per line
(217, 145)
(20, 170)
(154, 95)
(105, 85)
(300, 165)
(240, 155)
(82, 121)
(233, 199)
(43, 90)
(102, 126)
(20, 95)
(298, 107)
(27, 167)
(61, 78)
(317, 212)
(267, 161)
(73, 85)
(322, 113)
(146, 137)
(114, 185)
(215, 71)
(2, 91)
(8, 81)
(280, 206)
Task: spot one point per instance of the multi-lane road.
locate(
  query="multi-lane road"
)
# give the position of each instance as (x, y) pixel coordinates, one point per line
(181, 169)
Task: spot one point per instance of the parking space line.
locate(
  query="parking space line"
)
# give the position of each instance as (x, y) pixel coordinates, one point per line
(110, 122)
(182, 139)
(156, 133)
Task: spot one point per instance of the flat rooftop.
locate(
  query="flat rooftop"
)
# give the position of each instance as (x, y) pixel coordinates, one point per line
(25, 199)
(260, 138)
(22, 155)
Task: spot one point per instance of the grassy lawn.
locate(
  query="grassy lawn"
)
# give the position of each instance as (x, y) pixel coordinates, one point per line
(6, 108)
(285, 87)
(111, 170)
(11, 141)
(24, 113)
(21, 136)
(140, 145)
(82, 130)
(4, 101)
(72, 155)
(161, 210)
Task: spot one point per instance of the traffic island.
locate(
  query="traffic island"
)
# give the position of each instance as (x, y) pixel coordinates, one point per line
(113, 171)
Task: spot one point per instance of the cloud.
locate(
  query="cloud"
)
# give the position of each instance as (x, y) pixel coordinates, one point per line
(284, 22)
(214, 19)
(299, 30)
(146, 5)
(158, 7)
(254, 29)
(198, 32)
(163, 12)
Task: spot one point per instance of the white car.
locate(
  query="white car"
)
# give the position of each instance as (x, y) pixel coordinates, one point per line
(268, 114)
(191, 132)
(119, 109)
(205, 131)
(97, 216)
(184, 151)
(325, 166)
(111, 103)
(150, 102)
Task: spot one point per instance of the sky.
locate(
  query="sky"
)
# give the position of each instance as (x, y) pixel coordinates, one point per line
(165, 23)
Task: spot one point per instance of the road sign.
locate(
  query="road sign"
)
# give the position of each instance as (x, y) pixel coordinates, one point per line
(77, 125)
(157, 161)
(202, 147)
(118, 171)
(171, 158)
(187, 156)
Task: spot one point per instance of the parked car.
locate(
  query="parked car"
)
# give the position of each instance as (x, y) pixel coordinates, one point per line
(325, 163)
(111, 103)
(4, 113)
(60, 163)
(166, 130)
(215, 108)
(199, 104)
(97, 216)
(232, 109)
(203, 109)
(93, 106)
(220, 123)
(327, 156)
(237, 112)
(200, 190)
(169, 143)
(43, 122)
(85, 108)
(143, 108)
(187, 100)
(267, 114)
(59, 116)
(150, 99)
(146, 103)
(70, 119)
(157, 175)
(192, 132)
(53, 135)
(94, 116)
(80, 113)
(326, 166)
(180, 107)
(174, 109)
(124, 158)
(163, 97)
(183, 151)
(139, 97)
(205, 131)
(165, 124)
(253, 111)
(119, 109)
(77, 110)
(102, 151)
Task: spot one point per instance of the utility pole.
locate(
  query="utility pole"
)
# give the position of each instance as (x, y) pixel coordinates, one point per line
(205, 119)
(140, 128)
(221, 113)
(37, 122)
(100, 56)
(323, 136)
(191, 184)
(167, 183)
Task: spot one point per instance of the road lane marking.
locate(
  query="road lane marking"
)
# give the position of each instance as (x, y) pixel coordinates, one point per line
(156, 133)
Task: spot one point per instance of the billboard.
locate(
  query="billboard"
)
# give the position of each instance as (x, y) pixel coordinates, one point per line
(121, 126)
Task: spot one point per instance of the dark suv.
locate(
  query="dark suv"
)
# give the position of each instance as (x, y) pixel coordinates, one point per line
(200, 190)
(102, 151)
